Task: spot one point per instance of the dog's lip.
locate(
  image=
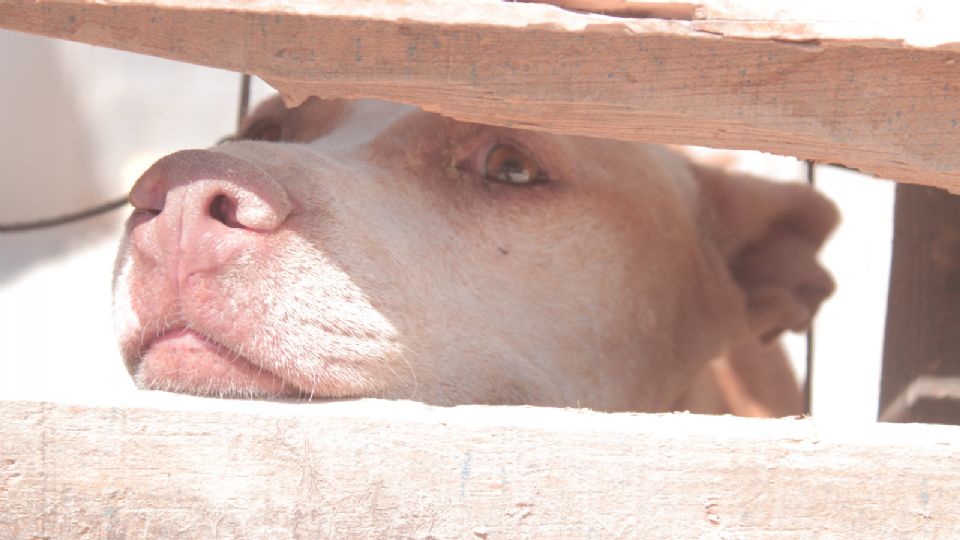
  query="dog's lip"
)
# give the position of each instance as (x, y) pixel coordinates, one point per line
(213, 363)
(182, 332)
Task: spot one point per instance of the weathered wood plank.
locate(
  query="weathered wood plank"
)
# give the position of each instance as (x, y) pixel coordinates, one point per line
(921, 353)
(871, 95)
(913, 23)
(375, 469)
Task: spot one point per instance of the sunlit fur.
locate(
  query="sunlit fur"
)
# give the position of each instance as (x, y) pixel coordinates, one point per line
(400, 272)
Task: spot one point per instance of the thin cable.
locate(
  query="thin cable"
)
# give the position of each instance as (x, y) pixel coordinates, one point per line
(244, 105)
(64, 219)
(808, 380)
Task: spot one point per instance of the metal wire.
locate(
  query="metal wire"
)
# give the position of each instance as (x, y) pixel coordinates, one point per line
(808, 379)
(64, 219)
(244, 106)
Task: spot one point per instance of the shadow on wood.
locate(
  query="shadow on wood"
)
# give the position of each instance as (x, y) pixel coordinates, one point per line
(921, 358)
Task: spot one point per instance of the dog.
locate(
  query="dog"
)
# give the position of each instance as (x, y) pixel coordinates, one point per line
(346, 249)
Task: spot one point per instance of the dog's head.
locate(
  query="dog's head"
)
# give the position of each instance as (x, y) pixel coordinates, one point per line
(365, 248)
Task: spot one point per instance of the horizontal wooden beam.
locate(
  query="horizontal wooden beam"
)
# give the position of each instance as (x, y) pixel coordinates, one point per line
(869, 87)
(192, 468)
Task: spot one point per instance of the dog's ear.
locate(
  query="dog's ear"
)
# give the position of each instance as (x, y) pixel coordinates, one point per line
(769, 235)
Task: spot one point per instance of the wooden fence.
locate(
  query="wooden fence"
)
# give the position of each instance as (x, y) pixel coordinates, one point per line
(874, 88)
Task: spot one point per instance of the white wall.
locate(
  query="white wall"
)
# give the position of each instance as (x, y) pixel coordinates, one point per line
(81, 123)
(849, 329)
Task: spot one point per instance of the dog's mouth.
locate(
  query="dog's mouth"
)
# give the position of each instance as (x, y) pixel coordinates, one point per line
(183, 360)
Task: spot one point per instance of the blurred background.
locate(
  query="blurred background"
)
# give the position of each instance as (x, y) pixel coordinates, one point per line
(80, 124)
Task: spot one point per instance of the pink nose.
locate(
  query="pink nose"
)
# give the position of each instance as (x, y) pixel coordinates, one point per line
(202, 208)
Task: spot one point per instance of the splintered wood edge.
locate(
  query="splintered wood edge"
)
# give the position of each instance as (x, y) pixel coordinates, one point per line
(872, 88)
(910, 23)
(377, 469)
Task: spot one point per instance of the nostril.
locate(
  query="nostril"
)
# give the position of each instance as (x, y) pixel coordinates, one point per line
(149, 204)
(224, 210)
(210, 187)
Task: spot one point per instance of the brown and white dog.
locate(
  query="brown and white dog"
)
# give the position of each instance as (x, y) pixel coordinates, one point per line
(364, 248)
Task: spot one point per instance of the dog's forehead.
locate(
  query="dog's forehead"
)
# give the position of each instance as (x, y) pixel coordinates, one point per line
(356, 124)
(677, 168)
(362, 121)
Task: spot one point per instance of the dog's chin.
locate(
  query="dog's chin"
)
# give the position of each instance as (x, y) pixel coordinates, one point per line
(186, 362)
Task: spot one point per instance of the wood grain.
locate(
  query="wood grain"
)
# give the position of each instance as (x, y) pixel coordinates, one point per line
(880, 95)
(921, 353)
(377, 469)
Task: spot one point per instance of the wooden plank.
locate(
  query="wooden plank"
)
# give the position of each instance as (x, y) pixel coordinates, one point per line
(375, 469)
(920, 381)
(881, 95)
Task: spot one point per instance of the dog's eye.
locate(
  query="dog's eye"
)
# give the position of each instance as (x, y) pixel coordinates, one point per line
(508, 164)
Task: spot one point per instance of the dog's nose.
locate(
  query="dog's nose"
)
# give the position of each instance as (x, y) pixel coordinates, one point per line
(200, 208)
(202, 184)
